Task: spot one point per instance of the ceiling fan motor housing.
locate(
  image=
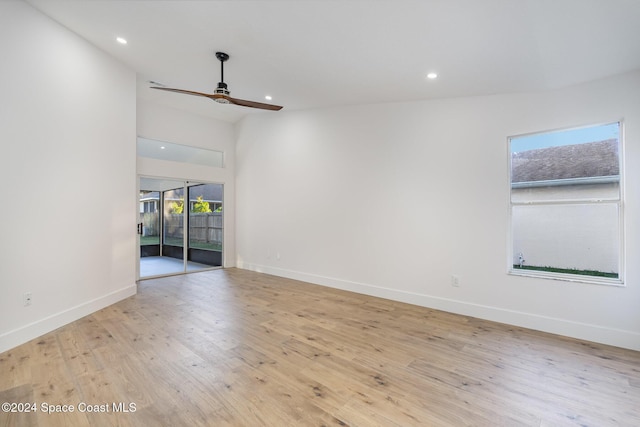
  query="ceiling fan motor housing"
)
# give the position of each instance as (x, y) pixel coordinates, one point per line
(222, 90)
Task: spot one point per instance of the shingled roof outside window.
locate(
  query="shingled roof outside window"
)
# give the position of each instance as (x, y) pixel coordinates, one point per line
(566, 162)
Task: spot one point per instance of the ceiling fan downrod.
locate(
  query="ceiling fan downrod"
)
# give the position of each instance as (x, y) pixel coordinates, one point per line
(222, 86)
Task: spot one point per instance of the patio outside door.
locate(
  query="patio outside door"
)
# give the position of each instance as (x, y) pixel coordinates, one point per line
(181, 226)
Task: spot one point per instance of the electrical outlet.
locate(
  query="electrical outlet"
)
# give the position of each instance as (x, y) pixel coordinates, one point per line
(26, 298)
(455, 281)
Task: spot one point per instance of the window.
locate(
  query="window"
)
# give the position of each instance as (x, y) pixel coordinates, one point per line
(566, 204)
(179, 153)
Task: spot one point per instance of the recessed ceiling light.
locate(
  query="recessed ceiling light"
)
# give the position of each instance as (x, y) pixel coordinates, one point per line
(268, 98)
(121, 40)
(432, 76)
(162, 147)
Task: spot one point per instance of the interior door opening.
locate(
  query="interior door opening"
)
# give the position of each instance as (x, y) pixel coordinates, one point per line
(181, 226)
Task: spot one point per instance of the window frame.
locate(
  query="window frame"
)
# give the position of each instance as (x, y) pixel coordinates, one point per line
(567, 277)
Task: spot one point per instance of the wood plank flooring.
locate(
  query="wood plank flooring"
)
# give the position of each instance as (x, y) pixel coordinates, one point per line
(238, 348)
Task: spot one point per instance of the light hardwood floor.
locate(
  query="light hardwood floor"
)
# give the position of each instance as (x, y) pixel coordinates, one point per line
(237, 348)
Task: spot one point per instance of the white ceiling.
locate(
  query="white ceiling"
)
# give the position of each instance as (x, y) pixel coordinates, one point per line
(320, 53)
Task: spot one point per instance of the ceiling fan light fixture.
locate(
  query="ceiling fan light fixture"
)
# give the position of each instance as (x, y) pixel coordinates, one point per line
(222, 89)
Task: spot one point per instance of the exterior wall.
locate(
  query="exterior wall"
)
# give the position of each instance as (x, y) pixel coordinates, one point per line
(576, 236)
(582, 237)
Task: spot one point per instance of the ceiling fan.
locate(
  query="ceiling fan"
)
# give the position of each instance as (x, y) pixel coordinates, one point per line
(221, 93)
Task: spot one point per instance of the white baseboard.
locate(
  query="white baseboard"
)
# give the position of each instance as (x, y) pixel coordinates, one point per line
(568, 328)
(21, 335)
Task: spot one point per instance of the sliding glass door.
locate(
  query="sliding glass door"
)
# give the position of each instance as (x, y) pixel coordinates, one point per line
(181, 226)
(205, 225)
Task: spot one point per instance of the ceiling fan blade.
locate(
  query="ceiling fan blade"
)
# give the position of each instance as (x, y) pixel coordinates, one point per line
(253, 104)
(187, 92)
(218, 97)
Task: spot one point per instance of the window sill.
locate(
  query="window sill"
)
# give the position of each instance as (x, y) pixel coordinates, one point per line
(564, 277)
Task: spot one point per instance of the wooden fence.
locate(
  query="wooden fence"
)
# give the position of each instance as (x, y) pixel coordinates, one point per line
(203, 227)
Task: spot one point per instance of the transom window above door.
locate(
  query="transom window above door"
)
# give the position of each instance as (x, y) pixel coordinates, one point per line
(163, 150)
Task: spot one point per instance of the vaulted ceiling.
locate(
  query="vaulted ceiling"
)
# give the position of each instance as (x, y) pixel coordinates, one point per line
(319, 53)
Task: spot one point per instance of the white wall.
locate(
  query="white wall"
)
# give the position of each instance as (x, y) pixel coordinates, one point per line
(67, 129)
(391, 200)
(581, 237)
(172, 125)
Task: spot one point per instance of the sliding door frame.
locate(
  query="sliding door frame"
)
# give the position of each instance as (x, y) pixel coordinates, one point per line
(185, 221)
